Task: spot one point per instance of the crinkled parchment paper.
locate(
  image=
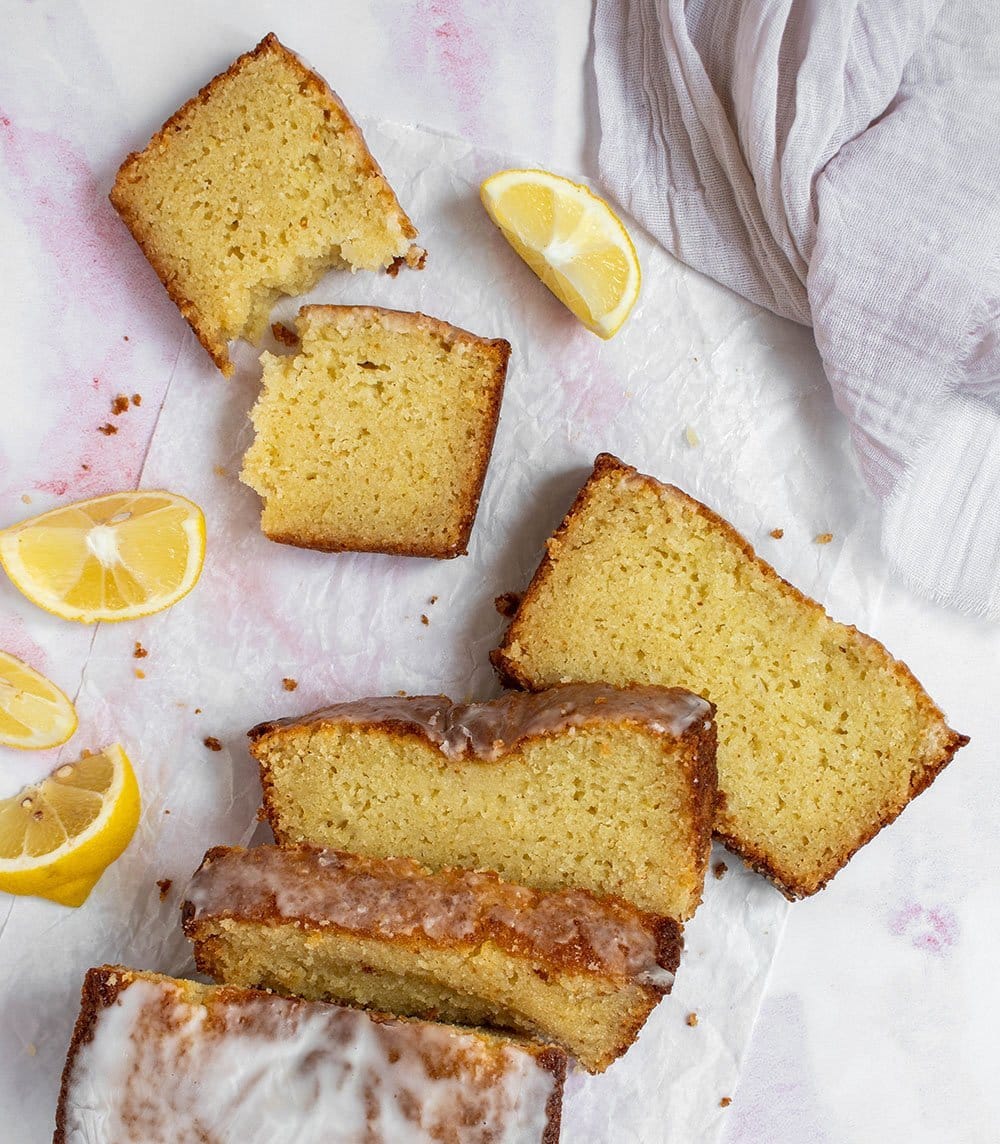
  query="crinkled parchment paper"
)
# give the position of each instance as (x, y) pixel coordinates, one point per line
(700, 388)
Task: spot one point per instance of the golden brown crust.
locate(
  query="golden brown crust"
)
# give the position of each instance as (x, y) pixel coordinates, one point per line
(499, 350)
(251, 899)
(512, 675)
(131, 171)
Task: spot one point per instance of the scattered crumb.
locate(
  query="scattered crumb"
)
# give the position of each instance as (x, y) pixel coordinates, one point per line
(124, 337)
(777, 533)
(107, 429)
(31, 1048)
(725, 1102)
(197, 711)
(400, 692)
(719, 869)
(285, 335)
(165, 883)
(507, 603)
(289, 684)
(395, 266)
(85, 467)
(824, 538)
(219, 471)
(120, 404)
(691, 437)
(166, 812)
(212, 743)
(140, 652)
(433, 600)
(139, 674)
(692, 1019)
(424, 620)
(25, 498)
(136, 398)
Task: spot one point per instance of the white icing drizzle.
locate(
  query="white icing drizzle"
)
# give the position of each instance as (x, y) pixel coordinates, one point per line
(489, 730)
(250, 1068)
(397, 897)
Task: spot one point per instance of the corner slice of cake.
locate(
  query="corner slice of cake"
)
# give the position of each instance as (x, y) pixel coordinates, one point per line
(458, 945)
(252, 190)
(593, 787)
(823, 737)
(157, 1059)
(376, 435)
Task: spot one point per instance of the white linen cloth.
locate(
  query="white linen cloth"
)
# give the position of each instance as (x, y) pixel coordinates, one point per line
(839, 163)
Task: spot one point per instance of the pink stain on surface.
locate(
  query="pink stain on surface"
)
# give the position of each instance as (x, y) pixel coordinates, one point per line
(461, 58)
(934, 929)
(15, 641)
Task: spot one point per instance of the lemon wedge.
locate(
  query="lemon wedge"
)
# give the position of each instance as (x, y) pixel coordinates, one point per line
(572, 240)
(34, 713)
(59, 836)
(114, 557)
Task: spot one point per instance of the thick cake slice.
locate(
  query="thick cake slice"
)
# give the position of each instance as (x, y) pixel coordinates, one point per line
(594, 787)
(823, 736)
(459, 945)
(252, 190)
(376, 435)
(154, 1059)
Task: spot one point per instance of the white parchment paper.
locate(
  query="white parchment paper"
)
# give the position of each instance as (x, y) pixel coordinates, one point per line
(700, 388)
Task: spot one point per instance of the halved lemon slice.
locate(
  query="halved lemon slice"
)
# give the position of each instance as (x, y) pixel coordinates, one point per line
(59, 836)
(572, 240)
(111, 558)
(34, 713)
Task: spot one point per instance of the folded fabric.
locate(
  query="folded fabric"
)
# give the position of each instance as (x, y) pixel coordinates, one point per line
(837, 163)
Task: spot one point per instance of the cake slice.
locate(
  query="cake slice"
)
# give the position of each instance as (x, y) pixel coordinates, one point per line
(252, 190)
(462, 946)
(157, 1059)
(376, 435)
(594, 787)
(823, 736)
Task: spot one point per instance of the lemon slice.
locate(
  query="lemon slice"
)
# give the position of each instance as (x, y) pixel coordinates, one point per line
(58, 837)
(34, 713)
(111, 558)
(572, 240)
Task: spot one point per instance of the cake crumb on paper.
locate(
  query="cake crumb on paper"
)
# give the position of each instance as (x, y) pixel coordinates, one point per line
(692, 1019)
(289, 684)
(219, 471)
(107, 429)
(719, 869)
(507, 603)
(777, 533)
(120, 404)
(725, 1102)
(433, 600)
(424, 620)
(824, 538)
(164, 885)
(139, 674)
(25, 499)
(212, 743)
(136, 398)
(139, 652)
(691, 437)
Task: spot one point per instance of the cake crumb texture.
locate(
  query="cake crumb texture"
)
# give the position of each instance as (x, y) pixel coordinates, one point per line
(823, 736)
(252, 190)
(376, 436)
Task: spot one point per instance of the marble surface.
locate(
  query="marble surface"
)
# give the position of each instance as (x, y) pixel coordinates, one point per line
(878, 1020)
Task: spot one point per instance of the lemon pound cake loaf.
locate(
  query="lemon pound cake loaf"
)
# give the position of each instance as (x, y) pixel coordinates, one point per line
(157, 1059)
(376, 436)
(459, 945)
(252, 190)
(823, 736)
(594, 787)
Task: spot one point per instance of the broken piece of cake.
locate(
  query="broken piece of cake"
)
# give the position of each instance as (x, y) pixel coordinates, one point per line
(377, 434)
(155, 1059)
(585, 786)
(253, 189)
(462, 946)
(823, 737)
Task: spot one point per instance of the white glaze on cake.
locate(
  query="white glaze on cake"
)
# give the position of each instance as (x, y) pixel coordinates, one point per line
(397, 897)
(250, 1068)
(488, 731)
